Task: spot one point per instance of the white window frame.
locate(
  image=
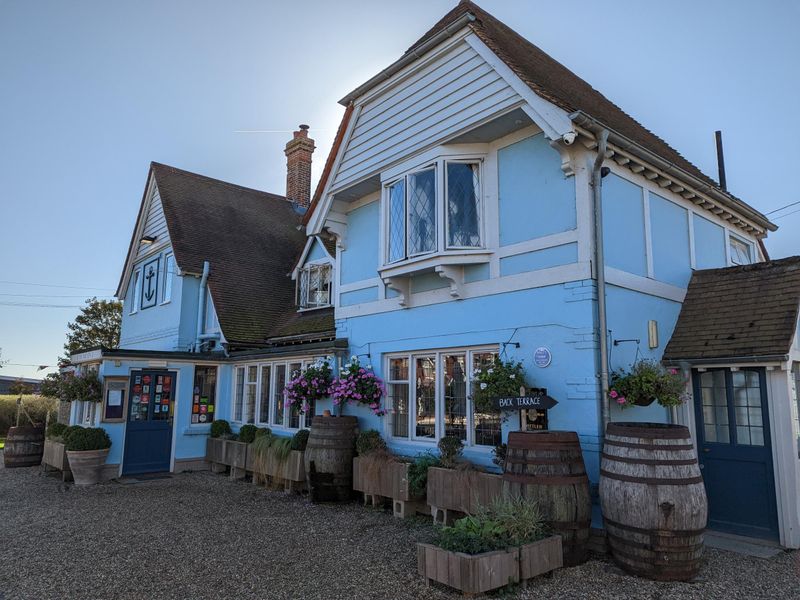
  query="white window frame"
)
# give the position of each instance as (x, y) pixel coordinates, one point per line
(439, 354)
(305, 272)
(734, 239)
(169, 272)
(439, 164)
(137, 290)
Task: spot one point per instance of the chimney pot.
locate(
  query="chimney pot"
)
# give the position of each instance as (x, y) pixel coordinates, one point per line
(298, 167)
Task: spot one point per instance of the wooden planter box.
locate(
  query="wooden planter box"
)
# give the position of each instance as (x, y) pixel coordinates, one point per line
(55, 457)
(289, 473)
(455, 491)
(223, 453)
(469, 573)
(540, 557)
(387, 480)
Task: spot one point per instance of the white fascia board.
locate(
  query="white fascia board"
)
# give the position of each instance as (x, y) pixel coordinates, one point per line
(137, 234)
(554, 121)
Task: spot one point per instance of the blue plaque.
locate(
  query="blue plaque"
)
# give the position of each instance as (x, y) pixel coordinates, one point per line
(542, 357)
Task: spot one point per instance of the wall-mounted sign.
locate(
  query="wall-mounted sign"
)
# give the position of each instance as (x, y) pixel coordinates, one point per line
(542, 357)
(150, 283)
(535, 398)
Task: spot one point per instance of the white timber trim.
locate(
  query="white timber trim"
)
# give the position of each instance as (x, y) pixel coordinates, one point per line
(541, 243)
(648, 233)
(644, 285)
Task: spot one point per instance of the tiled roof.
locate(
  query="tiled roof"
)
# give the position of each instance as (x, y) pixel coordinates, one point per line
(250, 238)
(738, 312)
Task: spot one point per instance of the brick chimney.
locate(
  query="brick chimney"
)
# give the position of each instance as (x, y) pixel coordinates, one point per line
(298, 167)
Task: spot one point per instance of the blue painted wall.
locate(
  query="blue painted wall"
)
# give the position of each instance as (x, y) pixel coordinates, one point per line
(369, 294)
(539, 259)
(316, 252)
(623, 225)
(709, 244)
(361, 256)
(669, 228)
(536, 199)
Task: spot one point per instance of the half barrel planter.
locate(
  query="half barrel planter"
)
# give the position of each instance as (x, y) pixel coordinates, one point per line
(547, 466)
(653, 499)
(24, 446)
(381, 478)
(329, 458)
(55, 457)
(452, 492)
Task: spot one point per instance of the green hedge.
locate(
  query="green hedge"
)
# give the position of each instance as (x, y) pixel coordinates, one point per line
(77, 438)
(37, 407)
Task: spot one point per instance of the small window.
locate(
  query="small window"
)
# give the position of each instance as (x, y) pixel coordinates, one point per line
(315, 286)
(412, 215)
(204, 394)
(244, 406)
(740, 252)
(137, 290)
(463, 205)
(169, 273)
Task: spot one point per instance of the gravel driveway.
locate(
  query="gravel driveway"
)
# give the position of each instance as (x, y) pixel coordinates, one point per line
(203, 536)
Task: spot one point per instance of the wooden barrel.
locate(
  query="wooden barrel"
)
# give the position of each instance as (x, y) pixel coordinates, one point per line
(547, 466)
(329, 458)
(24, 446)
(653, 499)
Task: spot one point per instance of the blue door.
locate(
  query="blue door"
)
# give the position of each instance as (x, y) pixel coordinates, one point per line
(148, 433)
(735, 452)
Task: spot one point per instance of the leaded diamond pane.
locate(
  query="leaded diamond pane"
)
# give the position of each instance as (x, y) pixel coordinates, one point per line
(397, 221)
(422, 212)
(463, 210)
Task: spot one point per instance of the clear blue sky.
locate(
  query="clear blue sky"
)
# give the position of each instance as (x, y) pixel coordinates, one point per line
(92, 91)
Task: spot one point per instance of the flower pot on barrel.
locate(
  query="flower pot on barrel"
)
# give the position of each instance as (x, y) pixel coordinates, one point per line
(87, 451)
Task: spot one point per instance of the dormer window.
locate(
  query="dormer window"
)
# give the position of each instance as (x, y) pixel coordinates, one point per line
(414, 210)
(740, 251)
(315, 286)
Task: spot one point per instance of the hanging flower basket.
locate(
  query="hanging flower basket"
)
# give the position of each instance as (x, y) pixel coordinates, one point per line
(309, 385)
(501, 379)
(357, 384)
(647, 381)
(85, 387)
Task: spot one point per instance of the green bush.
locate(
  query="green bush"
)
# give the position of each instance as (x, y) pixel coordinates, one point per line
(300, 440)
(262, 431)
(220, 428)
(36, 406)
(281, 447)
(369, 441)
(55, 430)
(499, 455)
(450, 448)
(507, 522)
(247, 433)
(418, 473)
(79, 439)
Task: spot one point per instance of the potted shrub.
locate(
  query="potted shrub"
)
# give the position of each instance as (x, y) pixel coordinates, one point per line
(55, 455)
(279, 460)
(215, 444)
(456, 488)
(87, 451)
(499, 545)
(646, 382)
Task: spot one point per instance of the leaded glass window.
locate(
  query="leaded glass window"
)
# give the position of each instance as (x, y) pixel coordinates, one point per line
(315, 286)
(397, 221)
(422, 212)
(463, 205)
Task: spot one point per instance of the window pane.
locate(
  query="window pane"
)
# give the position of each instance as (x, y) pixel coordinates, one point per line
(304, 288)
(487, 421)
(294, 412)
(204, 394)
(425, 403)
(398, 397)
(747, 407)
(463, 205)
(397, 221)
(277, 398)
(455, 396)
(252, 380)
(740, 252)
(398, 369)
(422, 212)
(263, 409)
(715, 406)
(238, 405)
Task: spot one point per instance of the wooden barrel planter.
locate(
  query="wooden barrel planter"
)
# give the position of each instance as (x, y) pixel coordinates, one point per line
(24, 446)
(547, 466)
(329, 458)
(653, 499)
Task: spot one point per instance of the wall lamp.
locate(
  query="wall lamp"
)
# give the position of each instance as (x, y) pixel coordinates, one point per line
(148, 239)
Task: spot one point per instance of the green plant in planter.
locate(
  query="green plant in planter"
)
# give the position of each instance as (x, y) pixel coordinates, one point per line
(81, 439)
(501, 379)
(55, 430)
(300, 440)
(450, 448)
(418, 473)
(499, 454)
(370, 441)
(281, 447)
(220, 428)
(262, 431)
(247, 433)
(647, 381)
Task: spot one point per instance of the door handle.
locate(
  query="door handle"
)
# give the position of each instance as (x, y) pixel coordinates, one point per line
(706, 449)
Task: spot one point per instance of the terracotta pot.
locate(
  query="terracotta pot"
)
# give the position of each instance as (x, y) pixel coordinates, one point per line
(87, 465)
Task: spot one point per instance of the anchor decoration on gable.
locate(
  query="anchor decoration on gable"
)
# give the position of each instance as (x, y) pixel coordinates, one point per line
(150, 287)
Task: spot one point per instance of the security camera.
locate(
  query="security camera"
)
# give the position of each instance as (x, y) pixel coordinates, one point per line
(568, 138)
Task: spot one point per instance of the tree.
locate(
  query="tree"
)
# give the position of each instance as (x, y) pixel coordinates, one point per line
(51, 386)
(98, 324)
(20, 388)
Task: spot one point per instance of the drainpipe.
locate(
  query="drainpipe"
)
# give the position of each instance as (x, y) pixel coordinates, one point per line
(599, 265)
(201, 305)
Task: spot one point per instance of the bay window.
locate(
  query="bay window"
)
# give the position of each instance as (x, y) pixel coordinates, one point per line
(416, 201)
(429, 396)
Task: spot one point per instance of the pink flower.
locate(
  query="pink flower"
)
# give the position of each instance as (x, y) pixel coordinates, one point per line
(613, 393)
(673, 371)
(621, 400)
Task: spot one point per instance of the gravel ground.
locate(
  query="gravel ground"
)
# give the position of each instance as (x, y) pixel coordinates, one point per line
(203, 536)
